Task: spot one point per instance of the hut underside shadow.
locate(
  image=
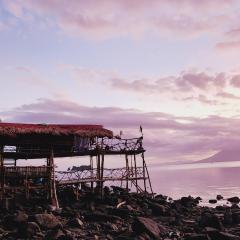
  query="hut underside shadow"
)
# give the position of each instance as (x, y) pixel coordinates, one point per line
(35, 141)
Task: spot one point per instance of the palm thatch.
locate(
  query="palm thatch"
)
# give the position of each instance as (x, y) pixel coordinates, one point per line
(12, 130)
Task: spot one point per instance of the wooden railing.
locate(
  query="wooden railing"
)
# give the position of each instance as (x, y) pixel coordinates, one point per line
(29, 171)
(106, 145)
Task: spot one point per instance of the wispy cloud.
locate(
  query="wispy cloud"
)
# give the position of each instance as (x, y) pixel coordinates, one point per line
(165, 135)
(104, 19)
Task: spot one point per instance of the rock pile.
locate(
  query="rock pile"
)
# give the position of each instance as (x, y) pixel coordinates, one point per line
(121, 215)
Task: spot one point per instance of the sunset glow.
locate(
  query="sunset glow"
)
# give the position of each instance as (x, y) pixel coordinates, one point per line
(171, 66)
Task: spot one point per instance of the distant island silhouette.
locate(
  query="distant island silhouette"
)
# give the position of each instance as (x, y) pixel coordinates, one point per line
(227, 155)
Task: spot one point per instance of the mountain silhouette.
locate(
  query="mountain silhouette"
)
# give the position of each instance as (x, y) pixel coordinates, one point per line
(227, 155)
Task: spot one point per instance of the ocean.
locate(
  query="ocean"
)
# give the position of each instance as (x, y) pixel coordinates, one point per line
(197, 179)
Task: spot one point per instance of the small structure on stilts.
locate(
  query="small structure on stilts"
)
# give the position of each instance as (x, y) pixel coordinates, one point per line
(51, 141)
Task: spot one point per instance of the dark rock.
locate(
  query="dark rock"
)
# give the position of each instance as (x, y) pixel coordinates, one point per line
(46, 221)
(196, 236)
(216, 235)
(219, 197)
(210, 220)
(236, 217)
(158, 209)
(234, 200)
(75, 222)
(228, 219)
(221, 208)
(100, 217)
(12, 221)
(147, 225)
(55, 234)
(212, 201)
(188, 201)
(234, 206)
(29, 229)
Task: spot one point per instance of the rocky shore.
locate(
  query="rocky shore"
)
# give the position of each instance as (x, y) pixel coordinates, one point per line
(120, 215)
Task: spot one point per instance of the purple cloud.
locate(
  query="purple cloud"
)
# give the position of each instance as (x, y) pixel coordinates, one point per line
(103, 19)
(166, 137)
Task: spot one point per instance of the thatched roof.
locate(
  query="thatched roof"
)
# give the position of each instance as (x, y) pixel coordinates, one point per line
(11, 130)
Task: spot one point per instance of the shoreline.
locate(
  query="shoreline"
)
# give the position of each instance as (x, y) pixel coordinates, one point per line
(119, 215)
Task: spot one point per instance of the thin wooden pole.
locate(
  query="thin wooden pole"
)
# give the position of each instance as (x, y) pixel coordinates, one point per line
(91, 166)
(131, 170)
(2, 172)
(2, 158)
(135, 170)
(102, 171)
(53, 191)
(149, 180)
(98, 171)
(144, 174)
(127, 171)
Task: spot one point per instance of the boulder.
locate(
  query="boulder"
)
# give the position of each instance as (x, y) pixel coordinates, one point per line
(234, 200)
(236, 217)
(75, 222)
(12, 221)
(234, 206)
(219, 197)
(210, 220)
(29, 229)
(157, 209)
(100, 217)
(55, 234)
(188, 201)
(217, 235)
(147, 225)
(195, 236)
(228, 220)
(46, 221)
(212, 201)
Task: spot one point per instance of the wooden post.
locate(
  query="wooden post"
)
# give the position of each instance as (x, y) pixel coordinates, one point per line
(1, 156)
(26, 184)
(102, 171)
(149, 180)
(98, 171)
(131, 170)
(135, 170)
(127, 171)
(144, 174)
(53, 190)
(2, 172)
(91, 166)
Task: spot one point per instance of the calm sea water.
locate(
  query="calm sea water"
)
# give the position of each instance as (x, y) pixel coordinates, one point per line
(203, 179)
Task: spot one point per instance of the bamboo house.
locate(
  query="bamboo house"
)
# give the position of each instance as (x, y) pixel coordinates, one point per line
(50, 141)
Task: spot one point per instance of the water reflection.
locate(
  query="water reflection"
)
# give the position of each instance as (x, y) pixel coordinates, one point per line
(205, 180)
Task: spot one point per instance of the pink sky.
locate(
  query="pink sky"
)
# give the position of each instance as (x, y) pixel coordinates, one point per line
(170, 66)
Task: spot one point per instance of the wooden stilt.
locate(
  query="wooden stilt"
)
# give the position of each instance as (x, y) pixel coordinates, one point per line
(149, 180)
(127, 171)
(144, 174)
(1, 156)
(135, 170)
(53, 190)
(102, 171)
(98, 172)
(2, 172)
(26, 184)
(131, 170)
(91, 166)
